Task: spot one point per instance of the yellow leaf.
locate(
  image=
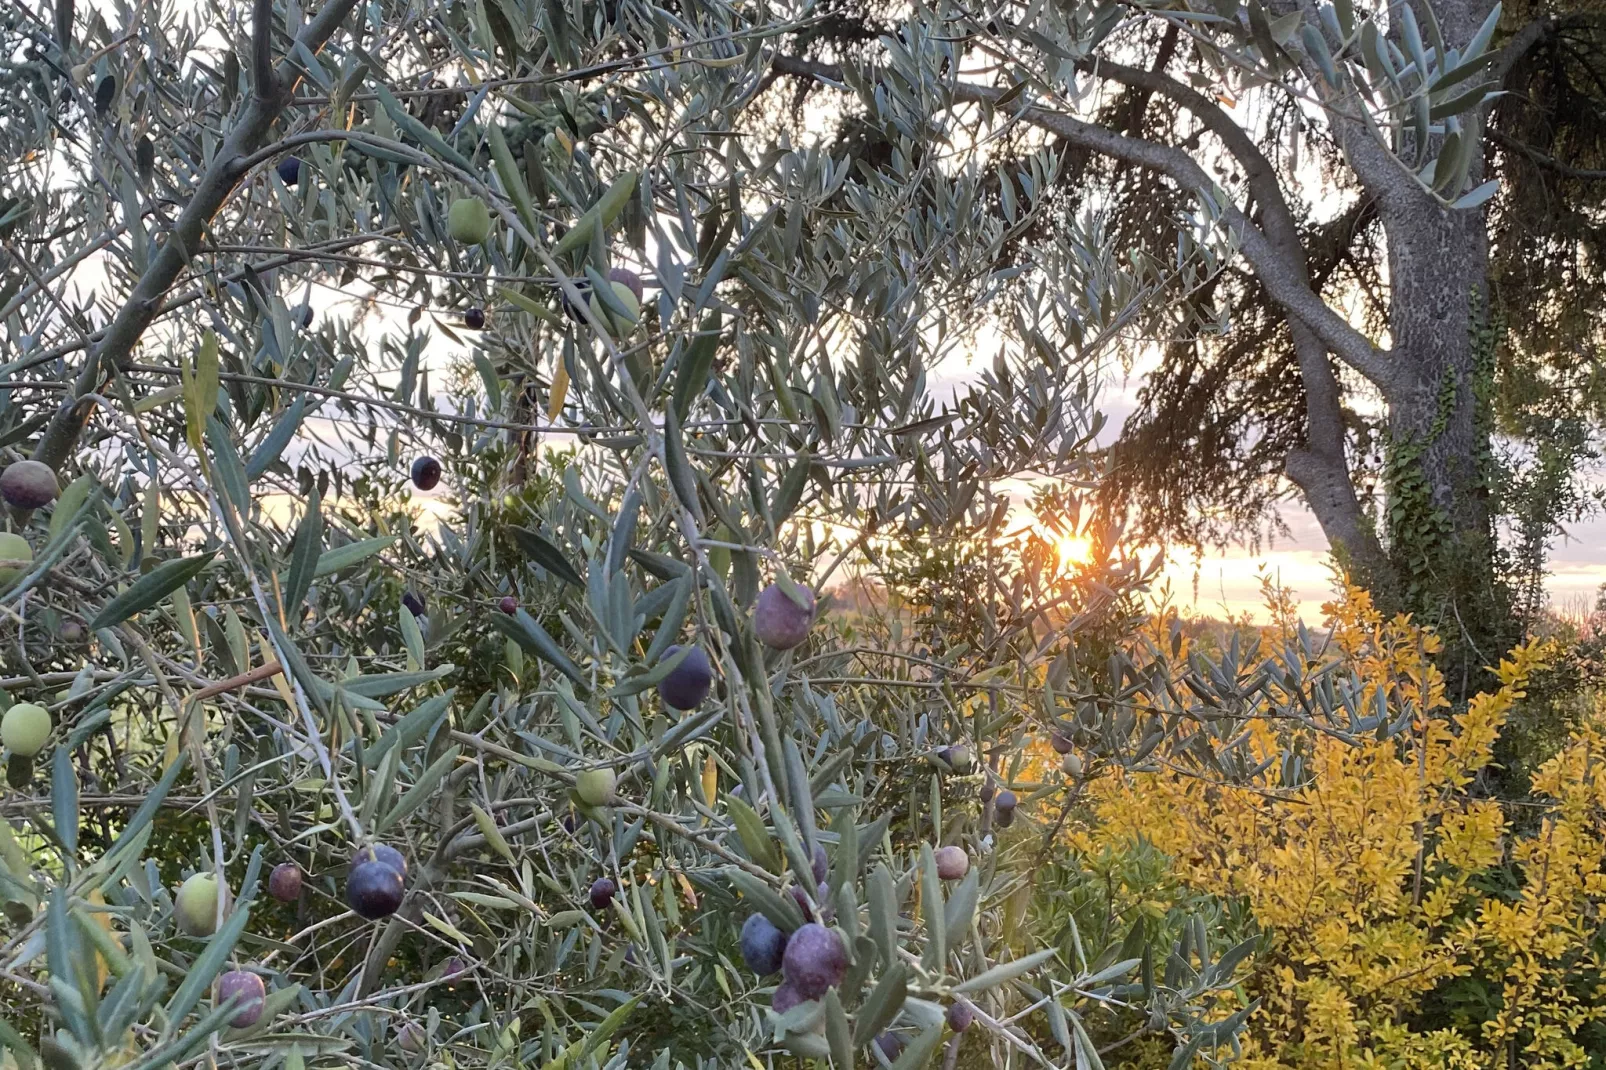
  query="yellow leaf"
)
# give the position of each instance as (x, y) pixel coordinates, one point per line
(199, 387)
(686, 889)
(710, 781)
(158, 399)
(206, 374)
(723, 61)
(560, 390)
(150, 519)
(280, 684)
(104, 920)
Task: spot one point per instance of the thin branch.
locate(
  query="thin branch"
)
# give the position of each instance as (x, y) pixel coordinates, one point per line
(261, 672)
(27, 293)
(179, 300)
(1549, 163)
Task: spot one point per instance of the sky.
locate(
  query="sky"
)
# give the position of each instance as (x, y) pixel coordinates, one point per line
(1229, 581)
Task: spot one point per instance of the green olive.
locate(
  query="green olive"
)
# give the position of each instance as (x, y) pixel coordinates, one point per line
(195, 906)
(468, 220)
(618, 323)
(13, 547)
(595, 787)
(25, 728)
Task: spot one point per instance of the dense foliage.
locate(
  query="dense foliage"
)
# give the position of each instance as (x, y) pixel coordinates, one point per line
(435, 439)
(1406, 915)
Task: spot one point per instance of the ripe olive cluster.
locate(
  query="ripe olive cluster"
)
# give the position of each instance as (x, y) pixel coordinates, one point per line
(813, 958)
(375, 887)
(780, 620)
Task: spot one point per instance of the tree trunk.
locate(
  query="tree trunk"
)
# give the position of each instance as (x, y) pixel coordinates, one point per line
(1438, 521)
(1437, 524)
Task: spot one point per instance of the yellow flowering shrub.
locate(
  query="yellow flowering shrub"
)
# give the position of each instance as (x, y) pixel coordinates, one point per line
(1410, 921)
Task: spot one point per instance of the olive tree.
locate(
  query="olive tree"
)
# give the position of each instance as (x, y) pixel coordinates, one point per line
(425, 426)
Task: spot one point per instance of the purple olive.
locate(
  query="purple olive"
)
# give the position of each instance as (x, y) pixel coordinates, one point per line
(289, 170)
(952, 863)
(779, 622)
(249, 989)
(413, 604)
(821, 863)
(815, 960)
(801, 898)
(474, 319)
(961, 1013)
(284, 883)
(602, 893)
(1004, 818)
(890, 1044)
(374, 890)
(28, 485)
(382, 852)
(426, 473)
(508, 605)
(687, 683)
(822, 897)
(630, 279)
(763, 945)
(411, 1038)
(988, 790)
(1060, 742)
(1006, 801)
(786, 997)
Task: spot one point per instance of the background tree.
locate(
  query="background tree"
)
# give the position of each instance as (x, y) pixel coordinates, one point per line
(1408, 186)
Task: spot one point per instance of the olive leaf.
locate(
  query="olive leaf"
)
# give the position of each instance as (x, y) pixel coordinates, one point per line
(150, 589)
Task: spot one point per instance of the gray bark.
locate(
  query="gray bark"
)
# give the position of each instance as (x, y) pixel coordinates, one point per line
(1439, 505)
(1438, 266)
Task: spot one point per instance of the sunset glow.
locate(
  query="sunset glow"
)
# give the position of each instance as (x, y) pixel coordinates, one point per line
(1073, 549)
